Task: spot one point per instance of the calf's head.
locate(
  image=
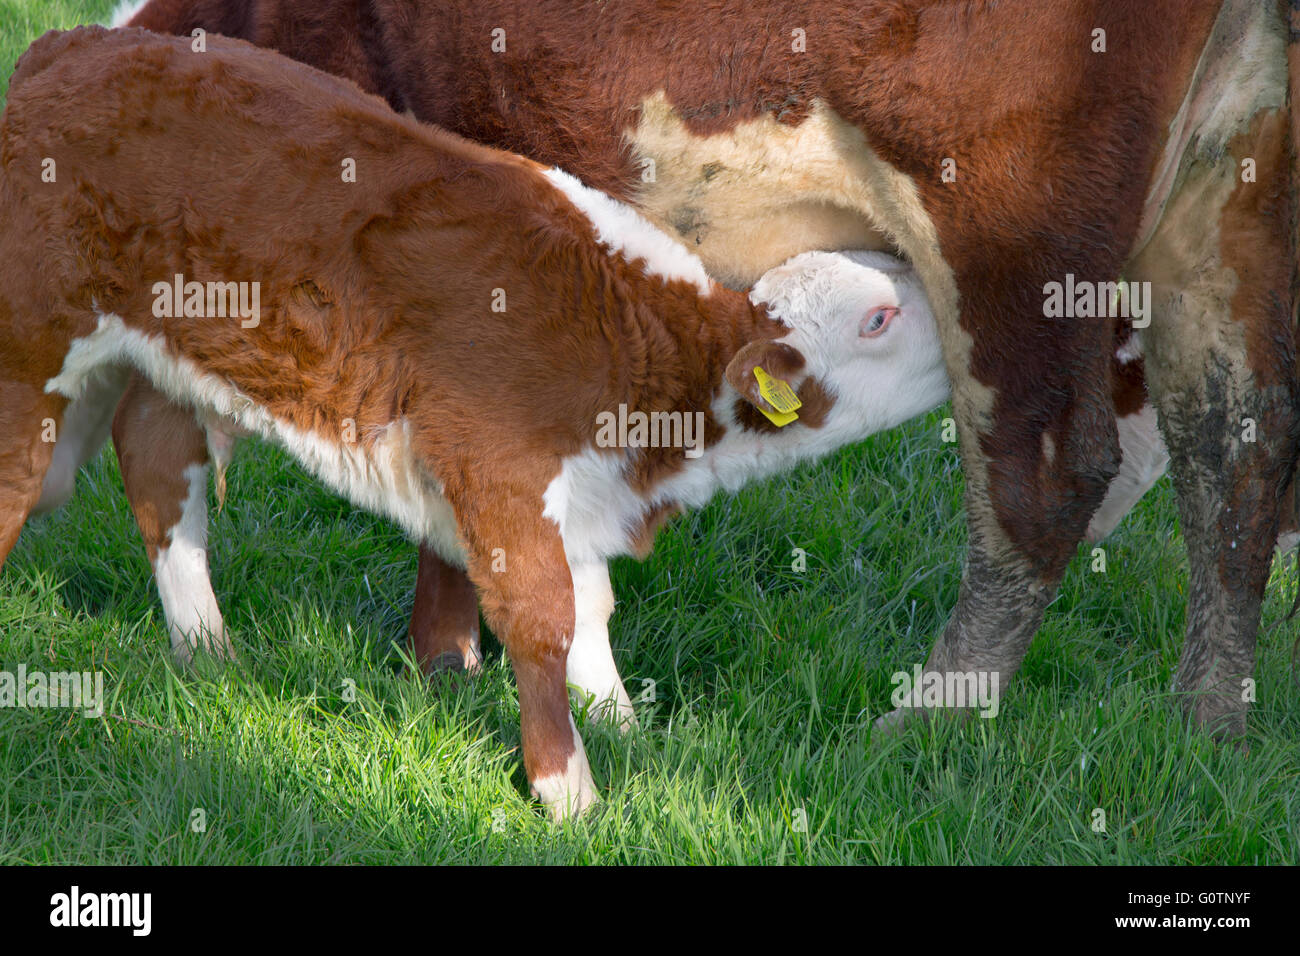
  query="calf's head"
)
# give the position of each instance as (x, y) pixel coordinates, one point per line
(862, 351)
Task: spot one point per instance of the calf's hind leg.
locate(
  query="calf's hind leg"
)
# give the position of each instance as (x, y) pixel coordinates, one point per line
(163, 456)
(28, 418)
(164, 461)
(81, 434)
(1221, 368)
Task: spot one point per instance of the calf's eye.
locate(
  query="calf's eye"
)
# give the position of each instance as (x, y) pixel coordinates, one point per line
(876, 322)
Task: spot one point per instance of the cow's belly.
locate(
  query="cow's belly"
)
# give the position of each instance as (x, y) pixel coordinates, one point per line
(750, 198)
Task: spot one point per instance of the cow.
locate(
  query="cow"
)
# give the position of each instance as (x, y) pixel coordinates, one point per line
(528, 445)
(1002, 148)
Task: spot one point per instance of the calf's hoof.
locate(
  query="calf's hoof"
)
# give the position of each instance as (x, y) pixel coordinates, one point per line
(448, 662)
(571, 792)
(616, 711)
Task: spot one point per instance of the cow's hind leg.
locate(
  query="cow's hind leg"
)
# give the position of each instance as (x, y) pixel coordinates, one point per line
(164, 460)
(1221, 368)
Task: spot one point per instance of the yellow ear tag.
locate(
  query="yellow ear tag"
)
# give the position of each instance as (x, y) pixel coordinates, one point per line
(779, 395)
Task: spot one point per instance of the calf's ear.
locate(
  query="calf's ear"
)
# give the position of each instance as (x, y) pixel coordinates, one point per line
(775, 358)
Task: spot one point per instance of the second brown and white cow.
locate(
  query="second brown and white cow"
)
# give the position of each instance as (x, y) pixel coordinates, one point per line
(454, 337)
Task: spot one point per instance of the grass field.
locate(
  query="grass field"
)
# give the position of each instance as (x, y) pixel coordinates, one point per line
(766, 679)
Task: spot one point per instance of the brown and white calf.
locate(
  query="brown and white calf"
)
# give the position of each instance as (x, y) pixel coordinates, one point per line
(446, 338)
(997, 146)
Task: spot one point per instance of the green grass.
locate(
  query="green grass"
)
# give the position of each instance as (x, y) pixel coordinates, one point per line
(22, 21)
(767, 681)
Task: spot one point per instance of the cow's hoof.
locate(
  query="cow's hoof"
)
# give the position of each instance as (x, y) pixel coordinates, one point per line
(901, 719)
(896, 721)
(1215, 701)
(1223, 718)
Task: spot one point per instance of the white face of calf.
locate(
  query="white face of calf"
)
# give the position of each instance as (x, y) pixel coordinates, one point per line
(865, 331)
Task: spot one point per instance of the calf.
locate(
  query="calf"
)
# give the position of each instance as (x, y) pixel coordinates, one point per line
(454, 337)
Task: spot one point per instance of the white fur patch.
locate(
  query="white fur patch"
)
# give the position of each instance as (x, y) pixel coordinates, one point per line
(748, 198)
(125, 11)
(85, 427)
(623, 230)
(1243, 70)
(184, 584)
(570, 792)
(1144, 459)
(590, 666)
(1131, 350)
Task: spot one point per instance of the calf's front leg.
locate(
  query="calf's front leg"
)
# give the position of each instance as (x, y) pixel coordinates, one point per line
(516, 559)
(590, 665)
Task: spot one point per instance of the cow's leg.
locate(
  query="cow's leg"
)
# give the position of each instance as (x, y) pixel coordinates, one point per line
(1221, 367)
(27, 415)
(444, 621)
(529, 604)
(1145, 460)
(163, 456)
(1033, 482)
(1039, 446)
(590, 665)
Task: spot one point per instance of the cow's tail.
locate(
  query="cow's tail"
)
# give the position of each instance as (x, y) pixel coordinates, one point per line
(1291, 11)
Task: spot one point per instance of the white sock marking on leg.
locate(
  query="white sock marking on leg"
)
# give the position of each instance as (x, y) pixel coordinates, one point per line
(570, 792)
(184, 585)
(590, 665)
